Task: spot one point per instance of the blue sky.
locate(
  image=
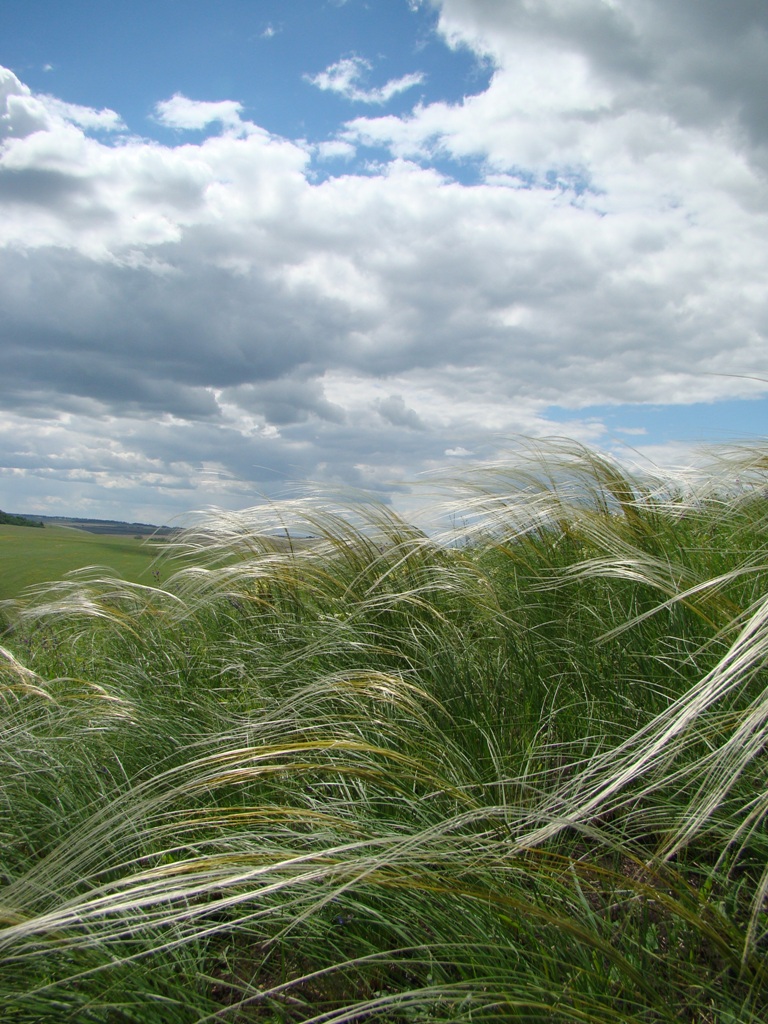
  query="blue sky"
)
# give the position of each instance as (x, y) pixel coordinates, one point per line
(262, 53)
(256, 244)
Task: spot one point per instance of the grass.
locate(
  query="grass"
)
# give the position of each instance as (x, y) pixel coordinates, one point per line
(32, 557)
(513, 774)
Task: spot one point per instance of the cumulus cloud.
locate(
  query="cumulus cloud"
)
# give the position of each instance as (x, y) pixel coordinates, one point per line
(335, 149)
(344, 77)
(85, 117)
(21, 113)
(569, 74)
(207, 321)
(181, 112)
(395, 411)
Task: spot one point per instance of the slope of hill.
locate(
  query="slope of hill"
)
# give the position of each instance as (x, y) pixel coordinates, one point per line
(108, 526)
(30, 557)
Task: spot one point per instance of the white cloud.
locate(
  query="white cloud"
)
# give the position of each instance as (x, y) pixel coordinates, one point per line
(181, 112)
(84, 117)
(345, 75)
(22, 114)
(335, 149)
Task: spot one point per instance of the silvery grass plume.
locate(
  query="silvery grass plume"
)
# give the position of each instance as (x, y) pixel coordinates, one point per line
(342, 768)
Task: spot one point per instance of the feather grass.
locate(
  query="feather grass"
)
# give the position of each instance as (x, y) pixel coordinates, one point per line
(344, 768)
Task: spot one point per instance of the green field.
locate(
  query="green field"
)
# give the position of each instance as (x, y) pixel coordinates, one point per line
(34, 556)
(516, 774)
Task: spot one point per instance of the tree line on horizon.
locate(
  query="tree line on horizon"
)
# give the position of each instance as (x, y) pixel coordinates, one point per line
(7, 519)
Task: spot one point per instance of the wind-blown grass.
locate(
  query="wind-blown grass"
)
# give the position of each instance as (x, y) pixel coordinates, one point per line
(517, 774)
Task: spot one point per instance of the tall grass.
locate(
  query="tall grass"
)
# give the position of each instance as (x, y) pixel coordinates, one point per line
(516, 773)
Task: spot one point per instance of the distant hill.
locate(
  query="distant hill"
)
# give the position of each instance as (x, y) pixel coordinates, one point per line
(103, 526)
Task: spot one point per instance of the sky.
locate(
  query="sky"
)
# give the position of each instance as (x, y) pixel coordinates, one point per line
(253, 247)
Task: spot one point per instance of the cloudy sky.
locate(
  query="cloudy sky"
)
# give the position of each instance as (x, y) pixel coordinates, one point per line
(254, 243)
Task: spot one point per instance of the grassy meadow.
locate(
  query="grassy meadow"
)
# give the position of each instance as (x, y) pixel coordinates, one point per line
(33, 556)
(516, 772)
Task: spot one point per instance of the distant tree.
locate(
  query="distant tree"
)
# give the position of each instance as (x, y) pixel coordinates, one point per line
(6, 519)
